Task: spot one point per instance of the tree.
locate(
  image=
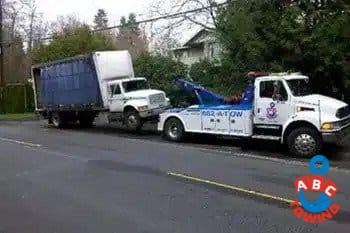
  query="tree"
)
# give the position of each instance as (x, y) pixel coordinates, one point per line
(14, 65)
(101, 19)
(205, 18)
(159, 70)
(73, 38)
(32, 17)
(307, 36)
(165, 34)
(130, 37)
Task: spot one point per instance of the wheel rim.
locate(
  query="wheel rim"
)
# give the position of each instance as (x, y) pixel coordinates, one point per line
(132, 120)
(305, 144)
(173, 130)
(55, 121)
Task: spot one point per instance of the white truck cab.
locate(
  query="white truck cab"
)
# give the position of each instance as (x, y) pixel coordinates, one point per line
(274, 107)
(128, 98)
(134, 100)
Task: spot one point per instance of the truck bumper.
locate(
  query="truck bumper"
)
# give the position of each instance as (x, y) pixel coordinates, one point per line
(337, 137)
(152, 112)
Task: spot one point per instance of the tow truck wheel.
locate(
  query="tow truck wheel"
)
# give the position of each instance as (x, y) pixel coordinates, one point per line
(133, 120)
(304, 142)
(174, 130)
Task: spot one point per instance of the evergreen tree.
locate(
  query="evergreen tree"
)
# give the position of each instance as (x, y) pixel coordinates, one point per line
(299, 35)
(130, 37)
(101, 19)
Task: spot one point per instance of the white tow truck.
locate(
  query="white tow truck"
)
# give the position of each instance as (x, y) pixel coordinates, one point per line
(277, 107)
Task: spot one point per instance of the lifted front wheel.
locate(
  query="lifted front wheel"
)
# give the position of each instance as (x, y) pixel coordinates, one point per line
(133, 120)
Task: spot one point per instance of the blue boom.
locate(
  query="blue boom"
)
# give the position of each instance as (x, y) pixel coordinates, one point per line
(204, 96)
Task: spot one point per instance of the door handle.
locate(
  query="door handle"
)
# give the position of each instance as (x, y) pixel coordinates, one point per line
(259, 110)
(218, 120)
(212, 120)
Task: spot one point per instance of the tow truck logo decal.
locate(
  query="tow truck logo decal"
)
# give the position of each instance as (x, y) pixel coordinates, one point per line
(271, 111)
(323, 208)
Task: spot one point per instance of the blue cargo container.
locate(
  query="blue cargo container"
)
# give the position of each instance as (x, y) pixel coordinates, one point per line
(68, 84)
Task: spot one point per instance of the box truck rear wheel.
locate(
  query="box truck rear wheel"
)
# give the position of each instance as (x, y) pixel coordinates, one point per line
(86, 120)
(304, 142)
(133, 120)
(58, 120)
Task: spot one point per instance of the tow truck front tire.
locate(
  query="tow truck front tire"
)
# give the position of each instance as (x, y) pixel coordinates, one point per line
(304, 142)
(174, 130)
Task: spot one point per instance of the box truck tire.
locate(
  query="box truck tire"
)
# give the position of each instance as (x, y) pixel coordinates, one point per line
(304, 142)
(133, 120)
(58, 120)
(86, 119)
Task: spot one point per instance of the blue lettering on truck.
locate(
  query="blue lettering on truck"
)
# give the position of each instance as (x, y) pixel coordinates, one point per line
(236, 114)
(208, 113)
(212, 113)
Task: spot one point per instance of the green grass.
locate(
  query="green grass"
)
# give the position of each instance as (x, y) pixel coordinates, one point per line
(17, 117)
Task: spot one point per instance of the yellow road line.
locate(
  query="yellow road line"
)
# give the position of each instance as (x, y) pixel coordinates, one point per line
(20, 142)
(232, 187)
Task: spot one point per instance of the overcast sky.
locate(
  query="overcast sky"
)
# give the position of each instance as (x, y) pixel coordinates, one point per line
(86, 9)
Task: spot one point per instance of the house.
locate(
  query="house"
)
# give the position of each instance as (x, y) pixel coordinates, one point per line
(202, 45)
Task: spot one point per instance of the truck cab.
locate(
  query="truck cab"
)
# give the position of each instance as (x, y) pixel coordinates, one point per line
(278, 107)
(134, 101)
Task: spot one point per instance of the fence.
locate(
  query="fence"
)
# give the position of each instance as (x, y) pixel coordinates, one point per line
(16, 98)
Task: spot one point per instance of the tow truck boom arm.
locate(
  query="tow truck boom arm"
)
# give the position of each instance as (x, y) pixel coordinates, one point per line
(203, 95)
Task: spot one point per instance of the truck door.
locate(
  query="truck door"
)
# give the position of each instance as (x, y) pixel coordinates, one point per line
(115, 98)
(223, 121)
(208, 120)
(272, 103)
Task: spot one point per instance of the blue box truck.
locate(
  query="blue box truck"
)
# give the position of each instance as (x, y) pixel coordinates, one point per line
(77, 89)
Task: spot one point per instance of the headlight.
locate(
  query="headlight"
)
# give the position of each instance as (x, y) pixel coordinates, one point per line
(142, 108)
(327, 126)
(331, 126)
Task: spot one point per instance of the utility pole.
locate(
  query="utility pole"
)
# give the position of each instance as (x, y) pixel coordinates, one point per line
(2, 78)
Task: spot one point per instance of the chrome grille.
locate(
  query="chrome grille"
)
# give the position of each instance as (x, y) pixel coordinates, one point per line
(343, 112)
(345, 122)
(157, 99)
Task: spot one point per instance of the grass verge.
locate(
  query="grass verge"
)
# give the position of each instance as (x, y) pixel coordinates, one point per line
(17, 117)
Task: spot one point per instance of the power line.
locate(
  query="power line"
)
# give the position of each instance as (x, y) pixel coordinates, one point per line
(170, 16)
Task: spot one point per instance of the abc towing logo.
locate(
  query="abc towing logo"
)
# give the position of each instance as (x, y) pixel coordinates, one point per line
(323, 208)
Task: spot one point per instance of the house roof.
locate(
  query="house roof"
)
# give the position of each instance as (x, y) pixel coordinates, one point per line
(196, 38)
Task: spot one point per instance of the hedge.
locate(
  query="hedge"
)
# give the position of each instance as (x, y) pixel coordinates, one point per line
(16, 98)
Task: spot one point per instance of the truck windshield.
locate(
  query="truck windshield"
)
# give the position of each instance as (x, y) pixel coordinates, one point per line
(135, 85)
(299, 87)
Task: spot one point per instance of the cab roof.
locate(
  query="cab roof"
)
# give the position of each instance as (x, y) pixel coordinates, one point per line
(285, 76)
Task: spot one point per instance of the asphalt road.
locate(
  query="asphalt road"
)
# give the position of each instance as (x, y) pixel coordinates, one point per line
(106, 179)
